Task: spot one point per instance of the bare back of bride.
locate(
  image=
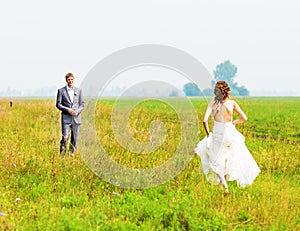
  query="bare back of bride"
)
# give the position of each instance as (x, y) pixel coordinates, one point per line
(224, 155)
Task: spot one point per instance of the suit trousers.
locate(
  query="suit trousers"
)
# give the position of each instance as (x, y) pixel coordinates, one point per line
(66, 129)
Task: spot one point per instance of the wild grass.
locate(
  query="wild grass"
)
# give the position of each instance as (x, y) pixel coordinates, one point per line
(58, 193)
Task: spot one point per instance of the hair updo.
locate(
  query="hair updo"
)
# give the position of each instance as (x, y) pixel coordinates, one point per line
(222, 91)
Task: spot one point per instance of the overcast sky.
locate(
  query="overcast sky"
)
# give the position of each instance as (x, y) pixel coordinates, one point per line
(43, 40)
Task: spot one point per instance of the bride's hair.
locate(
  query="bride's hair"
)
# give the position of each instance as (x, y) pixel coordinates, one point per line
(222, 91)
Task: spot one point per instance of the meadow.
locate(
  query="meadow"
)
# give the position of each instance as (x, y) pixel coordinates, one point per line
(41, 190)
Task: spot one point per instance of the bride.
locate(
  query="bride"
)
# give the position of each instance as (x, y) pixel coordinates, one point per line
(224, 155)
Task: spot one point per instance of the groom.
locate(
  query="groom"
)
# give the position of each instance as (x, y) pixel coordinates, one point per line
(70, 101)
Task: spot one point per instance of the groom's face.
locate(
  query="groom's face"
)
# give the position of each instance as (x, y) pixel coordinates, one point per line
(70, 81)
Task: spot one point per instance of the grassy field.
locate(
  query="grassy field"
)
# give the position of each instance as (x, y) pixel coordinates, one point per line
(40, 190)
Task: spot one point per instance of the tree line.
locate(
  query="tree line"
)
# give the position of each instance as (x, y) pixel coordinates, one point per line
(224, 71)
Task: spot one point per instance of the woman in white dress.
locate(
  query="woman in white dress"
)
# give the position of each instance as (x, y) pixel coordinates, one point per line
(224, 155)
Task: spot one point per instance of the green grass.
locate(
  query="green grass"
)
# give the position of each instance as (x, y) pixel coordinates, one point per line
(64, 194)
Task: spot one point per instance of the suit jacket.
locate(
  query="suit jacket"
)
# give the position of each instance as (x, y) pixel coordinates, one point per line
(64, 103)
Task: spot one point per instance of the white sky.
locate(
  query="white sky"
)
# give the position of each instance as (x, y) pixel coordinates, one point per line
(40, 41)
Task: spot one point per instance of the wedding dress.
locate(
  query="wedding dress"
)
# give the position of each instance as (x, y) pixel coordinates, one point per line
(224, 152)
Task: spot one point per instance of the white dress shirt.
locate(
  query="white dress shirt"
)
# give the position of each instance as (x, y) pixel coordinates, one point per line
(71, 92)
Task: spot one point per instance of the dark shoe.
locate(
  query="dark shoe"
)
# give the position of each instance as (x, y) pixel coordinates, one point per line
(71, 150)
(63, 152)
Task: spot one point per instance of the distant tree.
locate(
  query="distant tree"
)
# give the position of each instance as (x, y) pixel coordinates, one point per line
(208, 92)
(173, 93)
(234, 91)
(243, 91)
(227, 71)
(191, 89)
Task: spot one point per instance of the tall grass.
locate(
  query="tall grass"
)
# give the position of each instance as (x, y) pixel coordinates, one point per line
(64, 194)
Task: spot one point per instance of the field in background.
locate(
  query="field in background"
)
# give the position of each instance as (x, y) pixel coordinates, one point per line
(55, 193)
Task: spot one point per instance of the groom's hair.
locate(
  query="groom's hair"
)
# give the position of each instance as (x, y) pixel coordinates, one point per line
(69, 75)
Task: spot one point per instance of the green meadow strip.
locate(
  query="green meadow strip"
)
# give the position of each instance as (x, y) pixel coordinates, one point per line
(40, 190)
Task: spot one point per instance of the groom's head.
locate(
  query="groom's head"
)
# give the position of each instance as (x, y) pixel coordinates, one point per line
(70, 79)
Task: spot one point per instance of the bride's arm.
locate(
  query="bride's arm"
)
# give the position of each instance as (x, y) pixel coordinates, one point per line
(242, 118)
(205, 118)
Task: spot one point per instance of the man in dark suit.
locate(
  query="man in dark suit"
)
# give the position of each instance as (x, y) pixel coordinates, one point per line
(70, 101)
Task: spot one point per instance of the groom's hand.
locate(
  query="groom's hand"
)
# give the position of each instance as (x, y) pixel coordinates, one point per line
(72, 112)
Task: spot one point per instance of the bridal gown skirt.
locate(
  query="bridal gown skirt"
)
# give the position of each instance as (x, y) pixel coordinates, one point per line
(224, 153)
